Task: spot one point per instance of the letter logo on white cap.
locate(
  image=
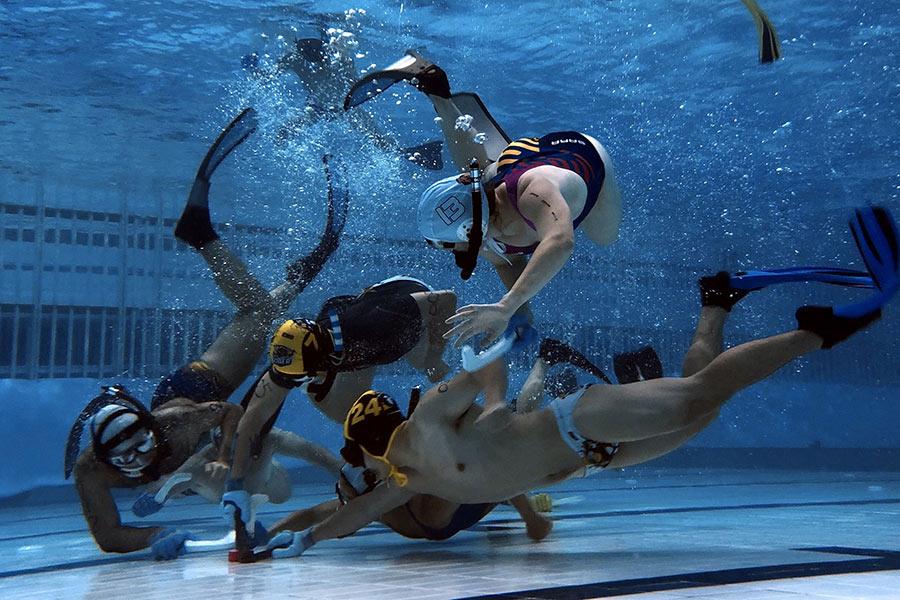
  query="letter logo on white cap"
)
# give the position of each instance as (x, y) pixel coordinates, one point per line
(450, 210)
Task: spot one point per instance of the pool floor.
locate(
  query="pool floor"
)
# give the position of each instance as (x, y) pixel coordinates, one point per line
(654, 534)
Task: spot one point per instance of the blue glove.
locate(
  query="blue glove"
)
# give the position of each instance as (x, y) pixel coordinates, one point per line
(288, 544)
(236, 500)
(168, 544)
(145, 505)
(524, 333)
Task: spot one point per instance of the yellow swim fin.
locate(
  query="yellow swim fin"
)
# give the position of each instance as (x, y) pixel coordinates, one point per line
(769, 47)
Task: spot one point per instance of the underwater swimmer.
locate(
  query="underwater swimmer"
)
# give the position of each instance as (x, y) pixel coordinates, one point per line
(538, 190)
(326, 70)
(448, 449)
(334, 358)
(191, 402)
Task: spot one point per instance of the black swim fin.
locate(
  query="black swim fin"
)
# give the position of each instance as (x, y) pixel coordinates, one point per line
(769, 46)
(427, 155)
(240, 128)
(194, 227)
(413, 67)
(640, 365)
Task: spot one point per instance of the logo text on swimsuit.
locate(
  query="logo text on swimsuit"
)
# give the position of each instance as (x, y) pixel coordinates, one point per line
(567, 141)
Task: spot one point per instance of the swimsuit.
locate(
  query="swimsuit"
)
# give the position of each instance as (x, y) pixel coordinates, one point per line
(564, 149)
(466, 516)
(377, 327)
(595, 454)
(195, 381)
(363, 481)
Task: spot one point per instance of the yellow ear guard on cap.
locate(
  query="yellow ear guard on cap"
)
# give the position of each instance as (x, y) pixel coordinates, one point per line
(299, 347)
(373, 422)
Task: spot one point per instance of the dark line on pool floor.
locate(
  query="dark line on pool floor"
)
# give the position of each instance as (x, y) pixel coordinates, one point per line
(552, 491)
(492, 525)
(876, 560)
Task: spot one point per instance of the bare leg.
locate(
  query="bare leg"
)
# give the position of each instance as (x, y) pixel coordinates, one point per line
(235, 351)
(428, 355)
(346, 389)
(707, 343)
(533, 389)
(304, 519)
(658, 406)
(537, 525)
(460, 142)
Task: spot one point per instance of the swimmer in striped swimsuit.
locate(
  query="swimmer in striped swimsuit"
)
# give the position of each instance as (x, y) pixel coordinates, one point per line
(538, 190)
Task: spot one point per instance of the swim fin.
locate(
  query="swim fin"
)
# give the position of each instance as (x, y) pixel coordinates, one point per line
(427, 155)
(641, 365)
(875, 233)
(754, 280)
(769, 46)
(554, 352)
(194, 227)
(413, 67)
(495, 139)
(240, 128)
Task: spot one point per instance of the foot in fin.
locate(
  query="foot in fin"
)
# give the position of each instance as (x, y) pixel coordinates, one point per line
(769, 46)
(427, 155)
(554, 352)
(831, 327)
(195, 226)
(716, 290)
(413, 67)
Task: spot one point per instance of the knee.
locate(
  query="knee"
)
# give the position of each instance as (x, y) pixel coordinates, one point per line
(706, 395)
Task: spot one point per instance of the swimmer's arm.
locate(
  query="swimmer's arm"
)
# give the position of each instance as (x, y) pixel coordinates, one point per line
(290, 444)
(102, 514)
(361, 511)
(542, 204)
(449, 400)
(265, 399)
(224, 415)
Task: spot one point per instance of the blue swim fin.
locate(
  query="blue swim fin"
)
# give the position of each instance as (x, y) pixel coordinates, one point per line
(427, 155)
(754, 280)
(875, 233)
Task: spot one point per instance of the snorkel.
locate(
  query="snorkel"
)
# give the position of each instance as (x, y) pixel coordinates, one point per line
(466, 259)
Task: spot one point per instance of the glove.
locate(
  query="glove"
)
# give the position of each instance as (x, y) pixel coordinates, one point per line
(234, 501)
(525, 334)
(168, 544)
(145, 505)
(288, 544)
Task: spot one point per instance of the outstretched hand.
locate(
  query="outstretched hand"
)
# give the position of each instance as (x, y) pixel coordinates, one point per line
(474, 319)
(216, 469)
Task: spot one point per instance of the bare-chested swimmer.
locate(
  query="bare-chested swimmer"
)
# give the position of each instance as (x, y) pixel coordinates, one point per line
(450, 448)
(133, 447)
(538, 191)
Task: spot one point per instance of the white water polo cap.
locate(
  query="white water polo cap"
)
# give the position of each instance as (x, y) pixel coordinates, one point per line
(446, 212)
(122, 438)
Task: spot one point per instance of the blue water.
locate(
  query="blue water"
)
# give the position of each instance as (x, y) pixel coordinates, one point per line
(724, 164)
